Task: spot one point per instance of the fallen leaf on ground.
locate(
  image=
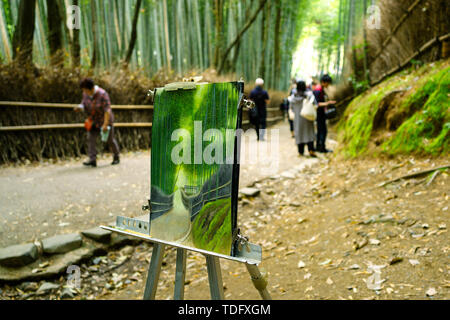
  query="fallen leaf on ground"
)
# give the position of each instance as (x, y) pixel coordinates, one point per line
(414, 262)
(431, 292)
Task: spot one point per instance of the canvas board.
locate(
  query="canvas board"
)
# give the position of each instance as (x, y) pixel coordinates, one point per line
(194, 165)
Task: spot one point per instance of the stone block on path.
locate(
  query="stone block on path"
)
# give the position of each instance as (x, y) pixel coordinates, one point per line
(62, 243)
(98, 234)
(18, 255)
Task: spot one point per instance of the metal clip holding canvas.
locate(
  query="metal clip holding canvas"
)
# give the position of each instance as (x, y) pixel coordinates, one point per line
(249, 104)
(151, 95)
(242, 241)
(193, 79)
(146, 207)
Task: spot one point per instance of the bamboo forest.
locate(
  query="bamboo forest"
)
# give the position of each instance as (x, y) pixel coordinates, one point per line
(224, 149)
(176, 35)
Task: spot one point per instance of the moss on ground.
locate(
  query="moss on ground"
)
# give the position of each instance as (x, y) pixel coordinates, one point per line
(425, 129)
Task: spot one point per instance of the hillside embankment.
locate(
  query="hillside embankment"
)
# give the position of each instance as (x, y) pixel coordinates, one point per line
(406, 114)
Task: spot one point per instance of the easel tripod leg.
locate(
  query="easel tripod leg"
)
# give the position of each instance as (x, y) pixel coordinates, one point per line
(180, 274)
(259, 281)
(215, 278)
(153, 271)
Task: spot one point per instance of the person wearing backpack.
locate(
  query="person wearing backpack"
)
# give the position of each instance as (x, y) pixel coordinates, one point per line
(258, 117)
(303, 127)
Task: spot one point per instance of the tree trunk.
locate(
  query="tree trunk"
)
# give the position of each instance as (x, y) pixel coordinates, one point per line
(94, 34)
(338, 57)
(238, 45)
(265, 22)
(23, 34)
(133, 32)
(75, 52)
(351, 33)
(166, 35)
(277, 44)
(54, 21)
(208, 35)
(218, 15)
(345, 33)
(116, 27)
(366, 70)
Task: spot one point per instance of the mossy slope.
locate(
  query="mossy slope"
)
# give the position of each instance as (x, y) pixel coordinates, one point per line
(423, 107)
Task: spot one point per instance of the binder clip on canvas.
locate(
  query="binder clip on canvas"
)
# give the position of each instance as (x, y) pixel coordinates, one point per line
(193, 200)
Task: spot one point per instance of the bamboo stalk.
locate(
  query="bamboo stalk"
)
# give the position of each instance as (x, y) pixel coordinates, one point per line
(166, 35)
(6, 44)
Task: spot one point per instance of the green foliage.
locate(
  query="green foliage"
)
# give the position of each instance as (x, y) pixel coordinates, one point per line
(359, 86)
(356, 126)
(416, 63)
(8, 17)
(320, 20)
(425, 130)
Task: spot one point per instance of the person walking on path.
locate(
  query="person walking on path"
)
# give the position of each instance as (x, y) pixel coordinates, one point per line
(261, 99)
(323, 103)
(303, 128)
(284, 108)
(97, 106)
(287, 115)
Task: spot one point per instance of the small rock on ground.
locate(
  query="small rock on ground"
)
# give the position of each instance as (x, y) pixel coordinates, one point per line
(67, 293)
(47, 286)
(250, 192)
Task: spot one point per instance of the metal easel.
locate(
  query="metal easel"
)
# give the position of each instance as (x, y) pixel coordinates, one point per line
(244, 251)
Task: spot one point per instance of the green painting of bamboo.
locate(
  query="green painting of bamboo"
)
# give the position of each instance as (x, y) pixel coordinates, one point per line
(193, 141)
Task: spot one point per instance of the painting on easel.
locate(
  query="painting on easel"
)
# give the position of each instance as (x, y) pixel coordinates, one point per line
(194, 165)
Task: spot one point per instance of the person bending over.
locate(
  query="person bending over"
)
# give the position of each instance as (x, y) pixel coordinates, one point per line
(97, 106)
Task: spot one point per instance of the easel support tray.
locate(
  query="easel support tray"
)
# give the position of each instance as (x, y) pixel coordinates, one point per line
(139, 227)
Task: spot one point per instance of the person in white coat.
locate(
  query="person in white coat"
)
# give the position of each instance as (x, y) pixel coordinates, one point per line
(303, 128)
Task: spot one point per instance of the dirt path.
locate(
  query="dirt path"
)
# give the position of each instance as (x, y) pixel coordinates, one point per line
(38, 201)
(326, 231)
